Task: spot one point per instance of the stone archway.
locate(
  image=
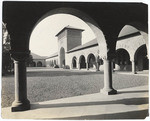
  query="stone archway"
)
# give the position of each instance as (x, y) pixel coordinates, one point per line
(142, 30)
(82, 62)
(74, 62)
(141, 59)
(34, 64)
(39, 64)
(91, 60)
(122, 60)
(62, 57)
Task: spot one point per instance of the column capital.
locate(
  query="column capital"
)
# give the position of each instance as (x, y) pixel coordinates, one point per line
(19, 56)
(132, 60)
(108, 56)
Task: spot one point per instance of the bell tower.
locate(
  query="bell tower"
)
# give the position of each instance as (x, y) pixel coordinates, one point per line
(68, 38)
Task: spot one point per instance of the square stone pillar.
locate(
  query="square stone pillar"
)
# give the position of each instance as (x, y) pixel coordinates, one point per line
(108, 87)
(21, 102)
(71, 65)
(133, 67)
(79, 66)
(97, 66)
(87, 66)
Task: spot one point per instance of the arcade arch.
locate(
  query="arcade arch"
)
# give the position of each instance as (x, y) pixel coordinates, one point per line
(82, 62)
(39, 64)
(134, 29)
(74, 62)
(141, 58)
(122, 60)
(91, 61)
(34, 64)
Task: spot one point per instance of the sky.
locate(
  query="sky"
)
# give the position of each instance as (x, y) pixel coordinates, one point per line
(43, 41)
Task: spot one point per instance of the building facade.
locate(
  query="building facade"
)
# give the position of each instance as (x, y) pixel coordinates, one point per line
(106, 20)
(38, 61)
(130, 50)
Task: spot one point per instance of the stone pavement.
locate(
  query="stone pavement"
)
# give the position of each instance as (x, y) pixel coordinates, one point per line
(129, 103)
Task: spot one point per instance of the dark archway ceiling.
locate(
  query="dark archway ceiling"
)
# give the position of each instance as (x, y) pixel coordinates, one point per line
(22, 16)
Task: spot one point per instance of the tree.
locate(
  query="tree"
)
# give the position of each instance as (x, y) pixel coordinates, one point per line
(29, 61)
(7, 63)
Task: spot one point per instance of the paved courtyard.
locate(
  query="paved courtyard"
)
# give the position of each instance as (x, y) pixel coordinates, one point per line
(48, 84)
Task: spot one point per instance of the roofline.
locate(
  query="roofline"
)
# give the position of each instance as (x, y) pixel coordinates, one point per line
(83, 48)
(67, 28)
(52, 56)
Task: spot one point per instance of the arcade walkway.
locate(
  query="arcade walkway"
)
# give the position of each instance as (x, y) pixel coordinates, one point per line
(129, 103)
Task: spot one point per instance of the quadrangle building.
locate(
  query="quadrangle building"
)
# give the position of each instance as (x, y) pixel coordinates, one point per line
(130, 49)
(121, 32)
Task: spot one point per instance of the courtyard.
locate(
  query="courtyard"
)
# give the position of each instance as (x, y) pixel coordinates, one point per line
(44, 84)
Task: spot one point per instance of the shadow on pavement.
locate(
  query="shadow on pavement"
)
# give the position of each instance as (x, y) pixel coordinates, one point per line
(138, 91)
(125, 115)
(128, 101)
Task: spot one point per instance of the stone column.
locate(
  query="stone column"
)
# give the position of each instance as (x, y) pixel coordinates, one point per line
(71, 65)
(97, 66)
(79, 66)
(87, 66)
(21, 102)
(108, 88)
(133, 67)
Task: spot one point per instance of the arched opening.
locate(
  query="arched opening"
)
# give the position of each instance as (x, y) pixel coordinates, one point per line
(62, 57)
(87, 19)
(122, 60)
(74, 62)
(142, 62)
(131, 37)
(82, 62)
(91, 61)
(39, 64)
(34, 64)
(96, 30)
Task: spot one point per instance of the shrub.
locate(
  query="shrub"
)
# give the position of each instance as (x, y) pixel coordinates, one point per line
(56, 66)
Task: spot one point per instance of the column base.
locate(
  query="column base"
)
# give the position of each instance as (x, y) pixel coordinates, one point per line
(108, 91)
(134, 72)
(20, 106)
(97, 70)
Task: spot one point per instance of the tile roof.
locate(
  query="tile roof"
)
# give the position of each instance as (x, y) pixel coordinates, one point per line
(69, 27)
(86, 45)
(35, 56)
(53, 55)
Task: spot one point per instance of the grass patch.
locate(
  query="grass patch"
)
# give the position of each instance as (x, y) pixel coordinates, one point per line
(49, 84)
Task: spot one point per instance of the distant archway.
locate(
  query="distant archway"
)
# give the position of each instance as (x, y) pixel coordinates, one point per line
(142, 62)
(74, 62)
(91, 60)
(62, 57)
(122, 61)
(82, 61)
(39, 64)
(34, 64)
